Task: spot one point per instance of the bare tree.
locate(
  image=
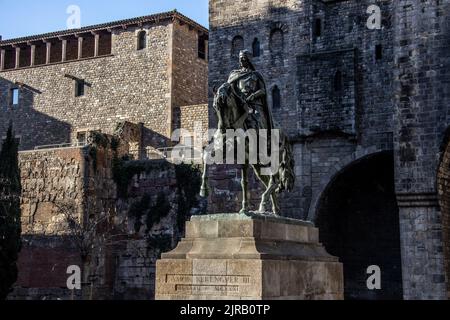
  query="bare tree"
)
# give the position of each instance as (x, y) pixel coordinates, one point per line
(90, 233)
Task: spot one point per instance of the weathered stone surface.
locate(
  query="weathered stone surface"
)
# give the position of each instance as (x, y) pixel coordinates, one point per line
(393, 97)
(122, 84)
(237, 256)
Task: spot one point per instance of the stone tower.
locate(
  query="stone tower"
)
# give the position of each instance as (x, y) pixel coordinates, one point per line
(422, 97)
(366, 111)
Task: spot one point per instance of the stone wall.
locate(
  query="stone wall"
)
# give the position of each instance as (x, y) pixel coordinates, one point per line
(131, 211)
(422, 69)
(327, 126)
(48, 178)
(140, 86)
(390, 94)
(190, 116)
(443, 185)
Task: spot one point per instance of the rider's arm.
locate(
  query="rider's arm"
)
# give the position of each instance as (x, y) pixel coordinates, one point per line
(261, 93)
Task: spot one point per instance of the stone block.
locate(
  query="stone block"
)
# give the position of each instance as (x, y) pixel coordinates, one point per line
(250, 257)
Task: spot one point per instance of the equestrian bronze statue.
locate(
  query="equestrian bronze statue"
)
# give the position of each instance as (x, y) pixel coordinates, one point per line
(241, 105)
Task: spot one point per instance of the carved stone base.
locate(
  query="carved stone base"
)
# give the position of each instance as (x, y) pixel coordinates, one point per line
(241, 256)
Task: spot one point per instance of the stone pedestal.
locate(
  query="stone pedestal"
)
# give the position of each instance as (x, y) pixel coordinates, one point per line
(240, 256)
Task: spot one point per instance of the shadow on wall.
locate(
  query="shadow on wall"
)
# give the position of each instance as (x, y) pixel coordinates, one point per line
(43, 264)
(154, 139)
(32, 127)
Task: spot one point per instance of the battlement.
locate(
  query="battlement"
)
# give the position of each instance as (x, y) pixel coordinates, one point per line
(84, 43)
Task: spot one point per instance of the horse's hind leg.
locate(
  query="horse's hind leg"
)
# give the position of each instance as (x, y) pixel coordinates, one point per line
(270, 196)
(267, 181)
(275, 203)
(244, 184)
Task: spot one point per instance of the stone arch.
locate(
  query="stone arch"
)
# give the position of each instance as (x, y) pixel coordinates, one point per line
(237, 44)
(334, 171)
(358, 219)
(279, 25)
(443, 188)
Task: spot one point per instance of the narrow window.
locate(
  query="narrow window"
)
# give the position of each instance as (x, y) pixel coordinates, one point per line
(256, 48)
(79, 88)
(337, 81)
(202, 41)
(15, 96)
(237, 45)
(317, 27)
(276, 98)
(142, 40)
(378, 52)
(277, 41)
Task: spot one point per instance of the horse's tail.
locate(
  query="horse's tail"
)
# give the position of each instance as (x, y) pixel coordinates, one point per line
(287, 166)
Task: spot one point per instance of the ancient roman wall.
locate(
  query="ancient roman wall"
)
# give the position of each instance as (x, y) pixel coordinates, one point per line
(137, 210)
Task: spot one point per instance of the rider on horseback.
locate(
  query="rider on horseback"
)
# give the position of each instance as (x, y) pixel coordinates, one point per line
(249, 86)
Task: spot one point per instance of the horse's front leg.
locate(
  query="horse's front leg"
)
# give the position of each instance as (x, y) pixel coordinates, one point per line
(244, 184)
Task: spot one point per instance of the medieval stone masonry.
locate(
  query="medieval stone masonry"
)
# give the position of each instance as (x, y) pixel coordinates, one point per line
(83, 103)
(138, 70)
(366, 109)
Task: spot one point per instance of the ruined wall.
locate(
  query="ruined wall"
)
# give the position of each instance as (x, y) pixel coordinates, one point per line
(134, 209)
(48, 177)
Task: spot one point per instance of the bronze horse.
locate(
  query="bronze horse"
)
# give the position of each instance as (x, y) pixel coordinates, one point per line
(231, 113)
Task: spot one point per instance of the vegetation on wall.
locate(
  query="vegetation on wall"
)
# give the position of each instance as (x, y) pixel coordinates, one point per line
(148, 212)
(162, 242)
(97, 140)
(124, 171)
(10, 225)
(153, 213)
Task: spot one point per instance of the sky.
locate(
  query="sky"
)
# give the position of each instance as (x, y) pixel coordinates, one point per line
(21, 18)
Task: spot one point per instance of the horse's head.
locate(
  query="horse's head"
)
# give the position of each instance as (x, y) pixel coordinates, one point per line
(220, 95)
(226, 107)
